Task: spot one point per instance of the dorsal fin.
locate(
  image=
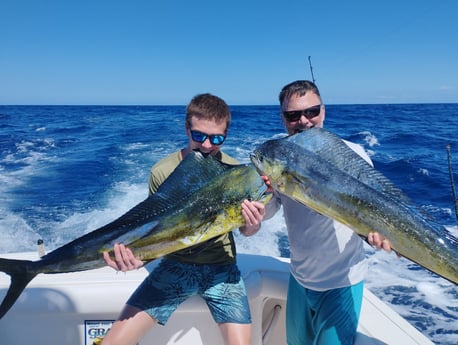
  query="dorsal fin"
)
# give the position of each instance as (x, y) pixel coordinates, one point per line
(334, 150)
(189, 176)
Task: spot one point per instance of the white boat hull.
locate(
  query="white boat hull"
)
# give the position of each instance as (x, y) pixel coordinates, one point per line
(76, 308)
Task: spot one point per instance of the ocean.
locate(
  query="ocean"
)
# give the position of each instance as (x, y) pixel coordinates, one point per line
(66, 170)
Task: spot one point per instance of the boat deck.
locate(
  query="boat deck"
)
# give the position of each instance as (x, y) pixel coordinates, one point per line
(76, 308)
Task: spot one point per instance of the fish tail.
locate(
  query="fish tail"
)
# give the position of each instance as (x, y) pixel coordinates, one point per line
(21, 274)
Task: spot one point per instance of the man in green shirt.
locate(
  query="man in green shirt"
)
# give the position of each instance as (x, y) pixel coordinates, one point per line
(207, 269)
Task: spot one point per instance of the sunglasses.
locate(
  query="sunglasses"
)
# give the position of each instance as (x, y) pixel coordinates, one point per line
(309, 113)
(215, 139)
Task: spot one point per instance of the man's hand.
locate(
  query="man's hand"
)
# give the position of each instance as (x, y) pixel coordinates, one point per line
(378, 241)
(253, 212)
(268, 183)
(124, 259)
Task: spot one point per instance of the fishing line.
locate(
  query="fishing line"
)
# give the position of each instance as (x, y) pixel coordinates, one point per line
(452, 182)
(311, 69)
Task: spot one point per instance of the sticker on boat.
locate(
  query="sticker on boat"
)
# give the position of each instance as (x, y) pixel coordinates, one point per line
(95, 330)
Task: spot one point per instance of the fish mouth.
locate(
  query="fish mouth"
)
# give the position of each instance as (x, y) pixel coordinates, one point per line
(257, 163)
(204, 154)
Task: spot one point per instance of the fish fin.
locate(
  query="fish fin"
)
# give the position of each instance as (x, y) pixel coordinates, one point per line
(195, 171)
(333, 149)
(20, 278)
(189, 176)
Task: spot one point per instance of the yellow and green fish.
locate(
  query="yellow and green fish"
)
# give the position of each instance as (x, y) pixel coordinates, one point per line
(201, 199)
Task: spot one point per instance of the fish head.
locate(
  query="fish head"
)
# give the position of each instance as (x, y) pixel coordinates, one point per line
(244, 180)
(255, 187)
(289, 168)
(270, 160)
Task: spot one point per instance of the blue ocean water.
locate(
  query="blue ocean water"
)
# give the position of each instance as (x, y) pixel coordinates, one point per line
(66, 170)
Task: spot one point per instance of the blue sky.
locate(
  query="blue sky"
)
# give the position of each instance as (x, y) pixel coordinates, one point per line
(156, 52)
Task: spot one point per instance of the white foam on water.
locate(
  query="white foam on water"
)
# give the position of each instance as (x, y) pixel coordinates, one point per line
(19, 237)
(265, 241)
(370, 139)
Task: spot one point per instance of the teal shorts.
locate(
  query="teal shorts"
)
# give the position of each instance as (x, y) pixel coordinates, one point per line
(171, 283)
(322, 317)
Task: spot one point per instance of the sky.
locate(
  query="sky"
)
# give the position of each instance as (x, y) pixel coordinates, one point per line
(163, 52)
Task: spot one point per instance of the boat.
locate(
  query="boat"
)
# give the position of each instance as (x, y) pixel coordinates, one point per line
(79, 308)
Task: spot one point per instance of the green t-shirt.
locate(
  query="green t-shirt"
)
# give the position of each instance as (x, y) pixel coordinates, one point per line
(218, 250)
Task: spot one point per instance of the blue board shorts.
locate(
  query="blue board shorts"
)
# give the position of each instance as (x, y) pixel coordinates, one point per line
(322, 317)
(172, 282)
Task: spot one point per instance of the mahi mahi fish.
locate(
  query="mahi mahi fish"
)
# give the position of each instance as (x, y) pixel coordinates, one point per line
(316, 168)
(201, 199)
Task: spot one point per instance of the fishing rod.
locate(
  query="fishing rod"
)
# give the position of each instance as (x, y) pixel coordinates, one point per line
(452, 182)
(311, 69)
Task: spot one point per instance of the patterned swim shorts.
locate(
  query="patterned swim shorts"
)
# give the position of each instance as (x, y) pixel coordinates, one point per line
(171, 283)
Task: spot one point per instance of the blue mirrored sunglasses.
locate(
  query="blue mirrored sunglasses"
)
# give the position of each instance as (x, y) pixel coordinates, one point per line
(215, 139)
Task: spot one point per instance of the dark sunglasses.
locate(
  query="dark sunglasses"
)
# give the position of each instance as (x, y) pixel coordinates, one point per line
(215, 139)
(309, 113)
